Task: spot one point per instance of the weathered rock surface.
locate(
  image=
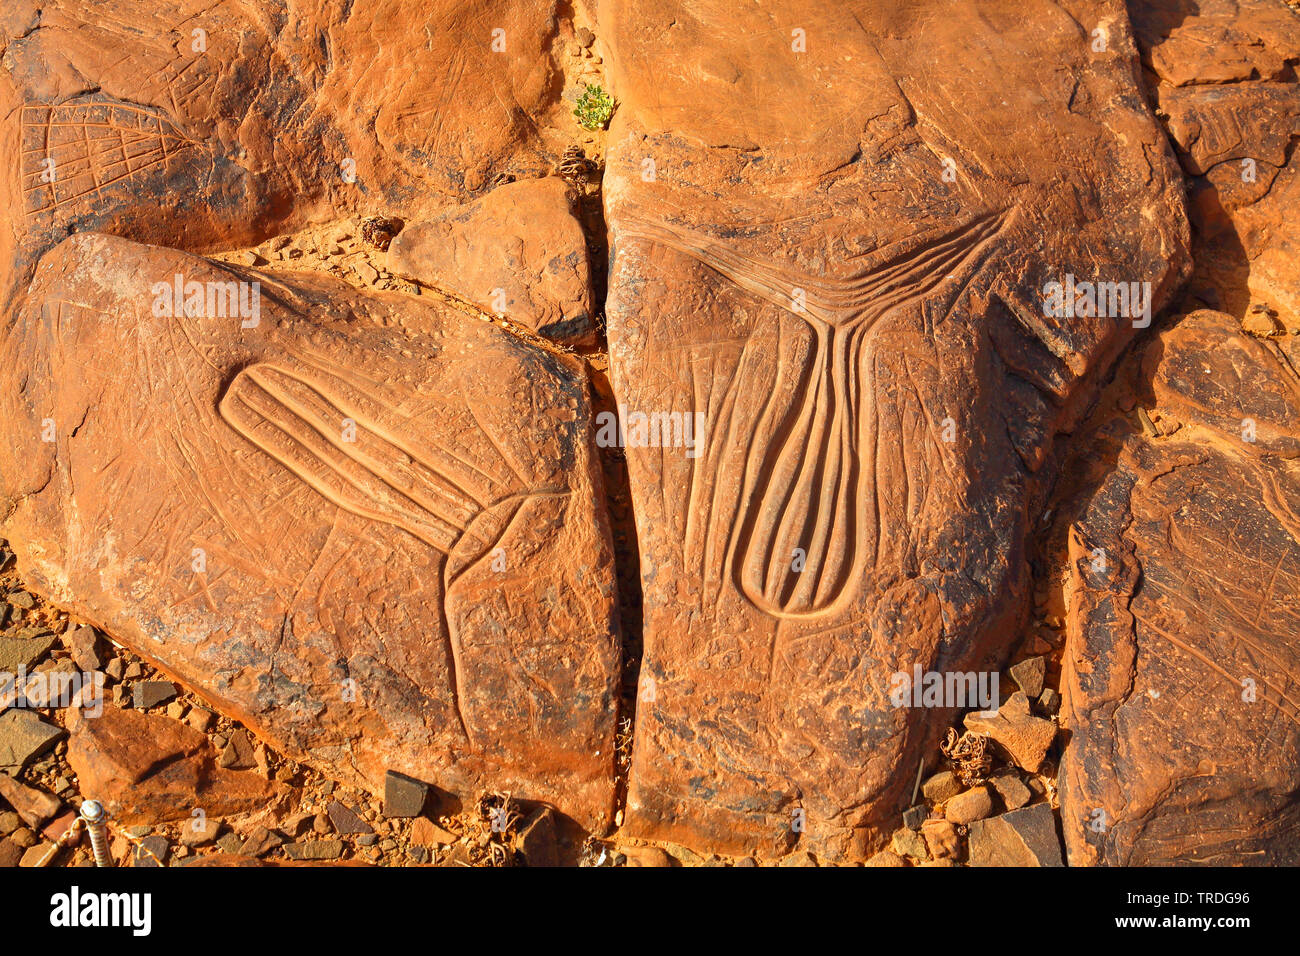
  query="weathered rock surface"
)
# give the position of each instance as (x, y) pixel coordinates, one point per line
(519, 252)
(371, 529)
(24, 736)
(1013, 727)
(1181, 644)
(846, 285)
(364, 525)
(1223, 74)
(193, 126)
(1020, 838)
(148, 769)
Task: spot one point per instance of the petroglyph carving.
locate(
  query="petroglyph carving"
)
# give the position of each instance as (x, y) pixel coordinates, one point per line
(356, 450)
(74, 151)
(808, 529)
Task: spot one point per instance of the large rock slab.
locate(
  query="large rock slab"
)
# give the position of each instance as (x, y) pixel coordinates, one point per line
(365, 526)
(846, 283)
(1178, 681)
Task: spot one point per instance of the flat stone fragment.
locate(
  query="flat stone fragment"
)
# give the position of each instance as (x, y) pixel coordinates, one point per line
(238, 752)
(151, 693)
(261, 840)
(314, 850)
(1029, 675)
(20, 654)
(1021, 838)
(149, 768)
(840, 379)
(33, 805)
(150, 851)
(1023, 736)
(24, 736)
(401, 562)
(85, 646)
(199, 831)
(536, 840)
(1012, 790)
(34, 855)
(424, 832)
(403, 796)
(345, 819)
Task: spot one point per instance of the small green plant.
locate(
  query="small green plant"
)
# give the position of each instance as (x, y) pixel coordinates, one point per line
(595, 107)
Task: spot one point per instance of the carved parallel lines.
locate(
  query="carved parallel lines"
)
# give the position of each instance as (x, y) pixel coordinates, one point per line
(295, 412)
(93, 146)
(803, 482)
(300, 423)
(881, 282)
(480, 480)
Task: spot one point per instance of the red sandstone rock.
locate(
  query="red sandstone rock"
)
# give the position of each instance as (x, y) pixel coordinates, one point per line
(1024, 737)
(1225, 83)
(518, 252)
(149, 769)
(364, 525)
(1183, 744)
(33, 805)
(846, 284)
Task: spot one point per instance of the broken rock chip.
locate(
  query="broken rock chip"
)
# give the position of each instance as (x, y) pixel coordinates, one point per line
(19, 654)
(842, 295)
(1181, 650)
(519, 252)
(1021, 838)
(942, 839)
(148, 768)
(1012, 790)
(974, 804)
(403, 796)
(941, 786)
(1024, 737)
(346, 820)
(23, 737)
(33, 805)
(365, 526)
(1029, 674)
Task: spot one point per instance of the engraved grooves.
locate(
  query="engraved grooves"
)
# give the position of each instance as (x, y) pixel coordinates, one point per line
(93, 145)
(805, 485)
(297, 414)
